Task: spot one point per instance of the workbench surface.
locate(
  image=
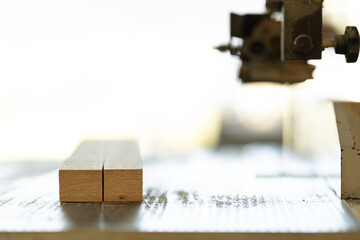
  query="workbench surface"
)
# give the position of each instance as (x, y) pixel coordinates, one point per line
(246, 193)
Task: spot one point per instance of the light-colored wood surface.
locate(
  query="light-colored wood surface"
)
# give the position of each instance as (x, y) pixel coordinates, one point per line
(123, 173)
(102, 171)
(80, 176)
(238, 195)
(348, 124)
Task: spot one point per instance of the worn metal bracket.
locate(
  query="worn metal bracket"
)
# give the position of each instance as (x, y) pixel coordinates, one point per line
(301, 29)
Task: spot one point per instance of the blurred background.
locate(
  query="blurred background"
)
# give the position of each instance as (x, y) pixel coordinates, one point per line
(147, 70)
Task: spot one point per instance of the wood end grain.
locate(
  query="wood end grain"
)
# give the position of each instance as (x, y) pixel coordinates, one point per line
(80, 185)
(102, 171)
(123, 185)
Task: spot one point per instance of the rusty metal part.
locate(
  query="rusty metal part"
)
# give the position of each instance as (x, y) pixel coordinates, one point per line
(276, 71)
(264, 42)
(328, 43)
(277, 51)
(348, 44)
(234, 50)
(303, 43)
(260, 51)
(301, 28)
(241, 26)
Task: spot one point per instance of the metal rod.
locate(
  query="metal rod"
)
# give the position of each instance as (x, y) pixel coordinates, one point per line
(328, 43)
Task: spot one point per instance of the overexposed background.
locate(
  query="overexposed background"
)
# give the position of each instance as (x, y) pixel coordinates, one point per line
(71, 70)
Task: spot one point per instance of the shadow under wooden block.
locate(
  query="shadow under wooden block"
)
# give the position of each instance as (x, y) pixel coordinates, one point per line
(348, 125)
(123, 173)
(81, 175)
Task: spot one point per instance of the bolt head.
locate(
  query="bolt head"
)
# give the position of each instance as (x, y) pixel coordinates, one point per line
(303, 43)
(352, 44)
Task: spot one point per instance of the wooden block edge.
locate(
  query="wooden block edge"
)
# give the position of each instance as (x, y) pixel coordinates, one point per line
(64, 199)
(138, 198)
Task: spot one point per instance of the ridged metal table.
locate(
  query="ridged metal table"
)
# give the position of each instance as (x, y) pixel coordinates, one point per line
(238, 193)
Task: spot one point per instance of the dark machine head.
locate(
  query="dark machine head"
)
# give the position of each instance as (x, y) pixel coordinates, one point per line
(278, 51)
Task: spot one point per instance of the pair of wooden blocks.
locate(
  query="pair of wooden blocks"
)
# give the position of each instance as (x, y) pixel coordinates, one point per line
(102, 171)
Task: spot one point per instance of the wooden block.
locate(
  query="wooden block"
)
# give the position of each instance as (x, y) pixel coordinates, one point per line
(80, 176)
(348, 124)
(122, 172)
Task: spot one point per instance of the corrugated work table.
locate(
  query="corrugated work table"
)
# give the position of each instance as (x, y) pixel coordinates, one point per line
(242, 193)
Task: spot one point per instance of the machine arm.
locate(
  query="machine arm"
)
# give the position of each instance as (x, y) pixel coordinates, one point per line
(278, 51)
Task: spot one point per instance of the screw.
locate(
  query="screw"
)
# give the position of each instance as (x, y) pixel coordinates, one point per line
(303, 43)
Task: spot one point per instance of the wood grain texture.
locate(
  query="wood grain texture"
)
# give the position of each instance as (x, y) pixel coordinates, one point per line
(185, 200)
(80, 176)
(348, 125)
(123, 173)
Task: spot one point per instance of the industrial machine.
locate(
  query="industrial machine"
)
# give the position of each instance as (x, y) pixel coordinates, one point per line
(276, 47)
